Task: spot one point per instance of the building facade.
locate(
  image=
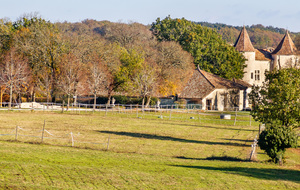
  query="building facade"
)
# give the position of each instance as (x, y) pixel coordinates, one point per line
(259, 61)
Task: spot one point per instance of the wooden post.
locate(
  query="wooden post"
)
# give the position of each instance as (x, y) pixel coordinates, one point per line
(137, 110)
(161, 112)
(130, 108)
(108, 143)
(43, 131)
(105, 109)
(250, 119)
(16, 137)
(235, 116)
(170, 114)
(72, 139)
(253, 148)
(62, 107)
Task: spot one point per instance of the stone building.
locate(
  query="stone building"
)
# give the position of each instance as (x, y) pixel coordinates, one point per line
(259, 61)
(216, 93)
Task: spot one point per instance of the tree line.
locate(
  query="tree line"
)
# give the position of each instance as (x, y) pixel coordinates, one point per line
(100, 58)
(261, 36)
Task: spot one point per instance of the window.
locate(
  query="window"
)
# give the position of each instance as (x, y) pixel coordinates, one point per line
(252, 75)
(257, 75)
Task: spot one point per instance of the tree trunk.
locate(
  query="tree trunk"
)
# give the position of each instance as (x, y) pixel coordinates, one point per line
(1, 97)
(20, 101)
(53, 85)
(10, 97)
(143, 102)
(48, 97)
(68, 102)
(148, 101)
(109, 98)
(95, 99)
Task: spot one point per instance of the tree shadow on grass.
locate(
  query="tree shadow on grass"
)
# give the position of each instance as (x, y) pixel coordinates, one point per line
(220, 158)
(240, 140)
(260, 173)
(168, 138)
(214, 127)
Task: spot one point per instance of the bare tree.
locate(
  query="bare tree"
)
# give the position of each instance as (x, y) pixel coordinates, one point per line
(44, 81)
(15, 73)
(71, 75)
(145, 82)
(98, 77)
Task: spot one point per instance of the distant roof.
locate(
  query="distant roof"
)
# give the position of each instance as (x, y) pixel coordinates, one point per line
(286, 46)
(219, 82)
(195, 88)
(243, 43)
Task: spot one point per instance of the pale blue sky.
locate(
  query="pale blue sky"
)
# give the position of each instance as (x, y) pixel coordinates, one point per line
(284, 14)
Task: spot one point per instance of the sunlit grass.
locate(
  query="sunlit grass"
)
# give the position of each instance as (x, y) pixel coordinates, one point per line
(145, 152)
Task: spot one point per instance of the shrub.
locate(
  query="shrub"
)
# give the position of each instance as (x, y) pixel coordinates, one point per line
(275, 139)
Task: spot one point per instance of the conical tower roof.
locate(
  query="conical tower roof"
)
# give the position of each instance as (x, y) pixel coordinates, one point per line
(243, 43)
(286, 46)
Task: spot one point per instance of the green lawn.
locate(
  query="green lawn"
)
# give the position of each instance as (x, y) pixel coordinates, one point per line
(144, 153)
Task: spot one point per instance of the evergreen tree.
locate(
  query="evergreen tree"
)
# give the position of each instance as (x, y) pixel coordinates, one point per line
(210, 52)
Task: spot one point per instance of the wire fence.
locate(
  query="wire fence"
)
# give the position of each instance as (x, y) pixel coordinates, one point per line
(54, 137)
(192, 112)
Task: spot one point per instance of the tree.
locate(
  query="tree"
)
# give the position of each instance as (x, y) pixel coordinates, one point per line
(275, 139)
(174, 67)
(98, 77)
(70, 76)
(145, 82)
(14, 73)
(210, 52)
(40, 41)
(277, 104)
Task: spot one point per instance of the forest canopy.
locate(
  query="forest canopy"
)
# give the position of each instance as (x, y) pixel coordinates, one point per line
(102, 58)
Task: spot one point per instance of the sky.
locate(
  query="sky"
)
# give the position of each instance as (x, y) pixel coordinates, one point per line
(282, 14)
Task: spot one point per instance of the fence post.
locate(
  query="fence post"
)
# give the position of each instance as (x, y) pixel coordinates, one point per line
(62, 107)
(170, 114)
(253, 146)
(235, 116)
(108, 143)
(250, 119)
(137, 110)
(43, 131)
(72, 139)
(16, 137)
(105, 109)
(160, 110)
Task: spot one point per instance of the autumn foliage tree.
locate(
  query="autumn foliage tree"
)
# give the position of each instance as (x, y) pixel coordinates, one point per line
(14, 73)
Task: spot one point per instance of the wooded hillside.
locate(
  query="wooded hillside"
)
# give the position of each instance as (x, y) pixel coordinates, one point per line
(261, 36)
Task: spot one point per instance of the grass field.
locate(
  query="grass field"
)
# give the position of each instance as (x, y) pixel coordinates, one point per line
(143, 153)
